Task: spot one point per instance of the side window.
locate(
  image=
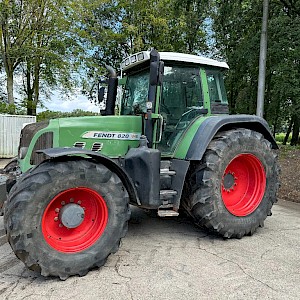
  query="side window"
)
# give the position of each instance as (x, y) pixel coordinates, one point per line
(217, 93)
(181, 92)
(216, 87)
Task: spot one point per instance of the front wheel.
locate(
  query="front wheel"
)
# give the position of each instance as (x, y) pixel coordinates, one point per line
(65, 218)
(232, 190)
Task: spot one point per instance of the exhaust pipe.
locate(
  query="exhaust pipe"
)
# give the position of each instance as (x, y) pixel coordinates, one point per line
(112, 91)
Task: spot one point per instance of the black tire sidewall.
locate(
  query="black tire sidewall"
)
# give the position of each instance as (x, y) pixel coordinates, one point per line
(243, 146)
(206, 203)
(43, 192)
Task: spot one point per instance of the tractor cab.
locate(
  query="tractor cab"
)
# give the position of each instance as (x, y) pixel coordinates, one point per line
(188, 87)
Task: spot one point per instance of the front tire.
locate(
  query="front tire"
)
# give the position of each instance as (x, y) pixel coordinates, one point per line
(232, 190)
(40, 222)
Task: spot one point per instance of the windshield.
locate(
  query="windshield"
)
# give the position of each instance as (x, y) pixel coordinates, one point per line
(135, 94)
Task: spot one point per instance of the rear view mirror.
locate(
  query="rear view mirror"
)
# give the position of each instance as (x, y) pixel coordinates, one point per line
(101, 91)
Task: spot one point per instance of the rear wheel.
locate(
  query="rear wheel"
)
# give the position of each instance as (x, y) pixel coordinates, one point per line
(232, 190)
(65, 218)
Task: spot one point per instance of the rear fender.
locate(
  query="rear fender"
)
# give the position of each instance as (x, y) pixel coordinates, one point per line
(210, 126)
(66, 153)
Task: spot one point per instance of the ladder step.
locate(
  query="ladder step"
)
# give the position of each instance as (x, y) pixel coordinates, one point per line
(166, 194)
(167, 172)
(167, 213)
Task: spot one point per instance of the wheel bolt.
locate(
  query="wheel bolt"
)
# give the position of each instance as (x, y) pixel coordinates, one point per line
(79, 202)
(56, 219)
(57, 210)
(83, 208)
(63, 203)
(60, 225)
(72, 200)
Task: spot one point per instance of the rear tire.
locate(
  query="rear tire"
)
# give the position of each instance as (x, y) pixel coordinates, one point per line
(232, 190)
(35, 227)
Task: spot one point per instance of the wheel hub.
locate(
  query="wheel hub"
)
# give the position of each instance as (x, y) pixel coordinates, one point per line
(228, 181)
(71, 215)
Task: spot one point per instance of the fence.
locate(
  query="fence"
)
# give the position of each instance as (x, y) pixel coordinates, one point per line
(10, 129)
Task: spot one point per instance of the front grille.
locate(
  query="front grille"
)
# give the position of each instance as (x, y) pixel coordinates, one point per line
(79, 145)
(29, 131)
(97, 147)
(43, 142)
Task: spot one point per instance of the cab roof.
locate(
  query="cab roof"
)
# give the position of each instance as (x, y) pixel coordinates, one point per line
(140, 57)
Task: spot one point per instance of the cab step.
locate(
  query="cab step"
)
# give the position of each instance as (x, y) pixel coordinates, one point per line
(167, 172)
(167, 213)
(167, 194)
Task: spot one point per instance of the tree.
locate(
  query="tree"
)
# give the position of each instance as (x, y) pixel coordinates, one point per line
(39, 42)
(119, 28)
(237, 37)
(54, 53)
(15, 30)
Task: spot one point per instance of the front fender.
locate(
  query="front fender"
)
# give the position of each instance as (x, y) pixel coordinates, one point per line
(211, 125)
(64, 153)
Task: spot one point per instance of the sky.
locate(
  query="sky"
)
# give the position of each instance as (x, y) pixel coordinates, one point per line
(57, 101)
(75, 101)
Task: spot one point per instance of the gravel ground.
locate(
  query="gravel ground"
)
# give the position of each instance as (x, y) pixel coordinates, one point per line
(289, 159)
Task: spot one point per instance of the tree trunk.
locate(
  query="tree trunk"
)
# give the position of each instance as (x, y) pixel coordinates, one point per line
(10, 87)
(36, 83)
(288, 131)
(28, 90)
(295, 135)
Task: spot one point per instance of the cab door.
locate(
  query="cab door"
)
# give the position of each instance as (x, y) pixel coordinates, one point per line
(181, 101)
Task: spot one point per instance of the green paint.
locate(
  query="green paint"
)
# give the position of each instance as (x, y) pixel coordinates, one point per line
(186, 139)
(68, 131)
(205, 90)
(122, 81)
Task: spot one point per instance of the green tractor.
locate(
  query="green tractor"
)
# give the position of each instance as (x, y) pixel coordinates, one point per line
(171, 147)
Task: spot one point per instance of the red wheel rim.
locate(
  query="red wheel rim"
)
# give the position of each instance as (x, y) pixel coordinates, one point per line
(87, 233)
(243, 185)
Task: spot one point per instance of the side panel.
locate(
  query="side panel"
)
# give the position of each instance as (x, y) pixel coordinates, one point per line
(115, 134)
(196, 139)
(112, 136)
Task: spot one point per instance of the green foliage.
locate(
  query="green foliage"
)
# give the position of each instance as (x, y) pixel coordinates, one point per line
(237, 26)
(61, 44)
(11, 109)
(116, 29)
(38, 41)
(48, 114)
(279, 137)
